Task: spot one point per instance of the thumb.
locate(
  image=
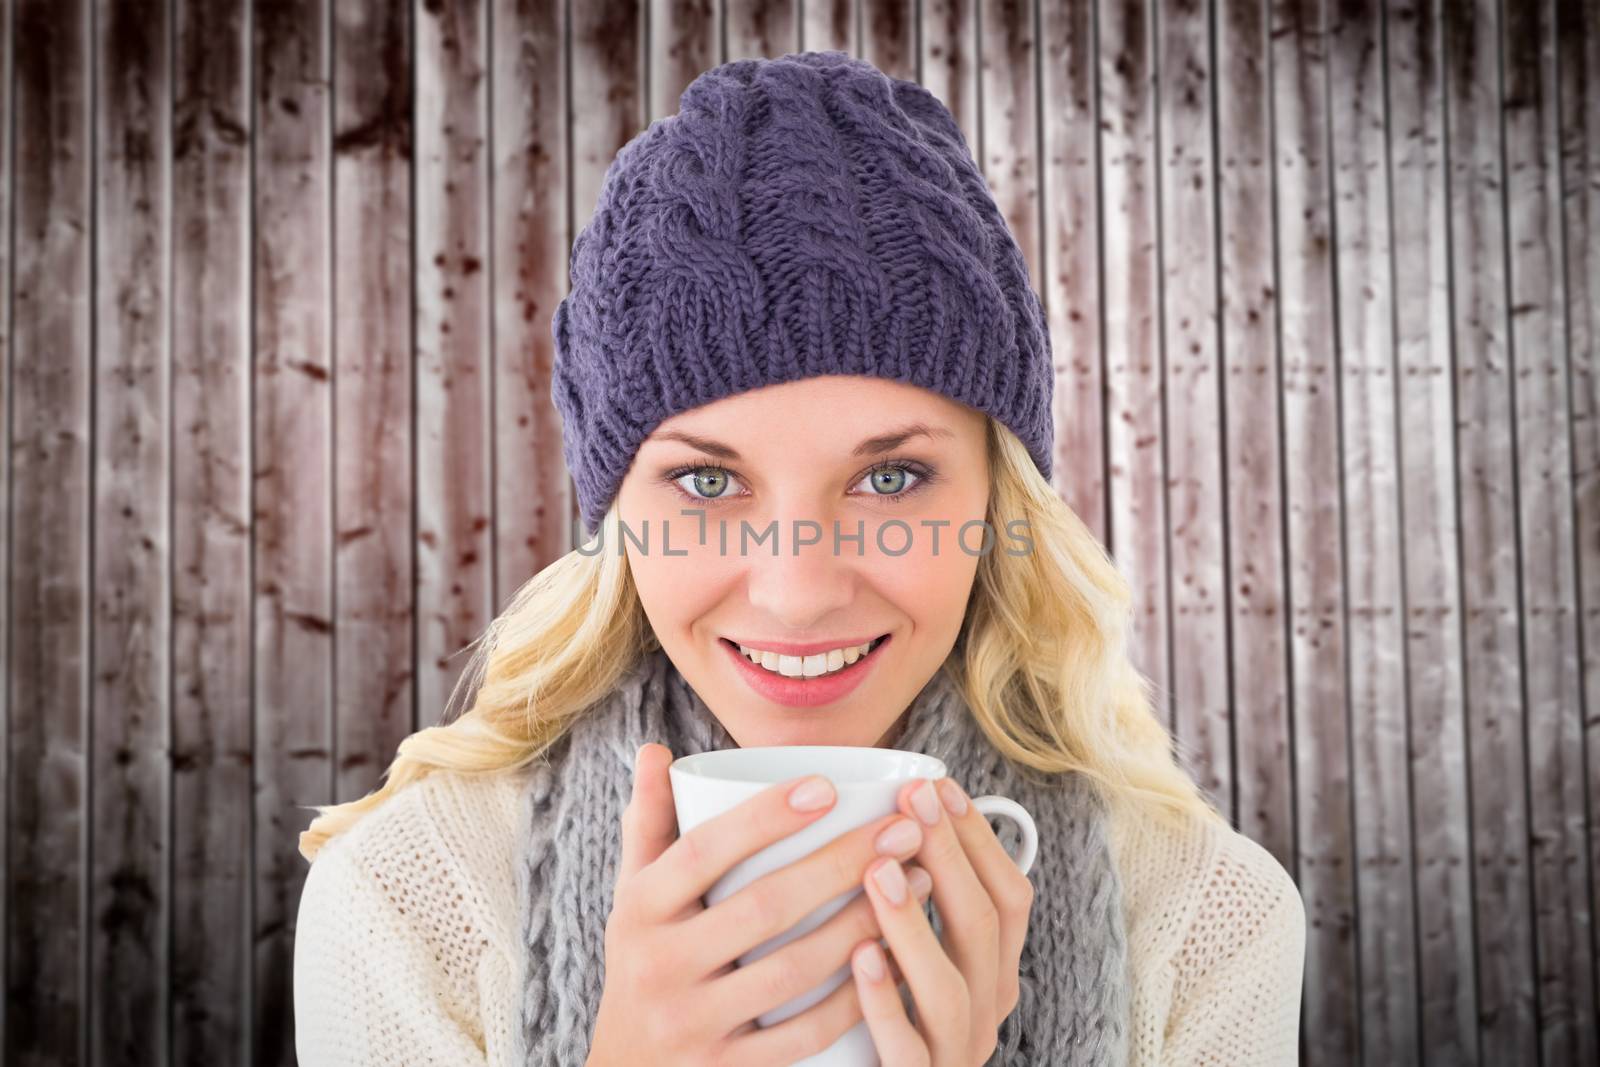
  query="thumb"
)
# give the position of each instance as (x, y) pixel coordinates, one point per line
(650, 821)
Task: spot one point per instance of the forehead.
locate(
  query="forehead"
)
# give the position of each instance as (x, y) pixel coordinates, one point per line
(838, 411)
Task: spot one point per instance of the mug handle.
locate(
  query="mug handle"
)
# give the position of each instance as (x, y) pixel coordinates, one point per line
(1005, 806)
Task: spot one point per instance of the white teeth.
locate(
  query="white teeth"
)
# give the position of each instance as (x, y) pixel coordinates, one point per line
(806, 666)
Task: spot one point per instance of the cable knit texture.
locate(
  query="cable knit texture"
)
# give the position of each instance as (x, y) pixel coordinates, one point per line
(409, 946)
(797, 216)
(1073, 980)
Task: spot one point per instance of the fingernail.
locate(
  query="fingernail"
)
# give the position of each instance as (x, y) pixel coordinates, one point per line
(811, 794)
(901, 836)
(924, 803)
(954, 798)
(921, 881)
(892, 880)
(869, 961)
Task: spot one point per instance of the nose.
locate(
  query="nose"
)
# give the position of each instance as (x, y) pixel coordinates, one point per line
(801, 592)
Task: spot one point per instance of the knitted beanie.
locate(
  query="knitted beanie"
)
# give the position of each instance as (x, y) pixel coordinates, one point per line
(798, 216)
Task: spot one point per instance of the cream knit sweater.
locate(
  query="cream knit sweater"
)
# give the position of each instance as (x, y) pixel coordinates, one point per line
(407, 929)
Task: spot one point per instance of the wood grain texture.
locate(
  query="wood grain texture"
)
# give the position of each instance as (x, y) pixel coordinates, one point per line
(1313, 530)
(1425, 409)
(8, 157)
(374, 596)
(830, 24)
(1547, 605)
(1577, 61)
(607, 48)
(1136, 476)
(1257, 589)
(889, 35)
(950, 62)
(1194, 417)
(212, 733)
(291, 470)
(761, 28)
(455, 432)
(1070, 253)
(1323, 285)
(128, 913)
(47, 803)
(1486, 466)
(685, 39)
(1375, 609)
(529, 242)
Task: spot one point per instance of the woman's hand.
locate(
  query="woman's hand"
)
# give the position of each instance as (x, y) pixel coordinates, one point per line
(673, 993)
(963, 989)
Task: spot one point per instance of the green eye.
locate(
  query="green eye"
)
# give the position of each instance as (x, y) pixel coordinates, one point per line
(889, 480)
(707, 482)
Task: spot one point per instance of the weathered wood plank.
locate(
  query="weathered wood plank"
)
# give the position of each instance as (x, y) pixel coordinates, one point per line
(1375, 608)
(1194, 418)
(1316, 605)
(530, 244)
(7, 181)
(128, 897)
(292, 468)
(950, 61)
(606, 59)
(1263, 777)
(374, 597)
(1507, 1010)
(1537, 378)
(829, 24)
(1070, 202)
(455, 462)
(1130, 268)
(685, 39)
(49, 447)
(889, 35)
(1578, 65)
(212, 814)
(1438, 745)
(1008, 152)
(1496, 715)
(761, 28)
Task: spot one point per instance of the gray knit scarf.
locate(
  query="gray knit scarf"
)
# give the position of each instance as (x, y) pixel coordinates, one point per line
(1073, 1007)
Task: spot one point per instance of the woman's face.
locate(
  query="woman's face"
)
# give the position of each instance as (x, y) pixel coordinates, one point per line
(819, 470)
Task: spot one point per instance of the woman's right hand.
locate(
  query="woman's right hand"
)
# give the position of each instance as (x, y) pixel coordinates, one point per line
(673, 993)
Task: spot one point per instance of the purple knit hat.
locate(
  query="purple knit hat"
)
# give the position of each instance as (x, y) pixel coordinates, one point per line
(798, 216)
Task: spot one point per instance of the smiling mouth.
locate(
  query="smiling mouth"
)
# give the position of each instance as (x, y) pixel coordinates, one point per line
(806, 668)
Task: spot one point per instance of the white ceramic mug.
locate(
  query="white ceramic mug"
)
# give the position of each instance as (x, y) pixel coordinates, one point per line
(867, 781)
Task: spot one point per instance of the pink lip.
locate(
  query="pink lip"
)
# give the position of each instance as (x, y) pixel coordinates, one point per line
(805, 692)
(791, 648)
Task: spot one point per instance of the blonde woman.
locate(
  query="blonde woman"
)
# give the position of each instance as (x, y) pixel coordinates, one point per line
(806, 400)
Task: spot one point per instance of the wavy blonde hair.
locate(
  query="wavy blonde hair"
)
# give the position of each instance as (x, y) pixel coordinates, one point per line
(1041, 659)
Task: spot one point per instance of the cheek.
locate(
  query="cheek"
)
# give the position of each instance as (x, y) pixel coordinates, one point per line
(675, 590)
(932, 590)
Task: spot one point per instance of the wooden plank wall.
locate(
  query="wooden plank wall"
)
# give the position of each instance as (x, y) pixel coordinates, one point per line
(1323, 279)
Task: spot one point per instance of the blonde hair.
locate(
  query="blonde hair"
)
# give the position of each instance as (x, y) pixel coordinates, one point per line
(1041, 660)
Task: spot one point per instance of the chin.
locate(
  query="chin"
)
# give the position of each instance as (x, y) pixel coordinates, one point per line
(799, 734)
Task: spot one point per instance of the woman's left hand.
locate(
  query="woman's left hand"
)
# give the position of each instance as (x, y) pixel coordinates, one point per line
(963, 989)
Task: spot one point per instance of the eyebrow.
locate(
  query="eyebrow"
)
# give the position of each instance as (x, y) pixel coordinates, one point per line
(875, 445)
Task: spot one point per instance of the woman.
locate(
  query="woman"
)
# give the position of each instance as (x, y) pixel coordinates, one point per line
(806, 401)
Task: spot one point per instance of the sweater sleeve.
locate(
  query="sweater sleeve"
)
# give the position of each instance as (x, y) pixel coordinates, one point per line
(369, 989)
(1236, 997)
